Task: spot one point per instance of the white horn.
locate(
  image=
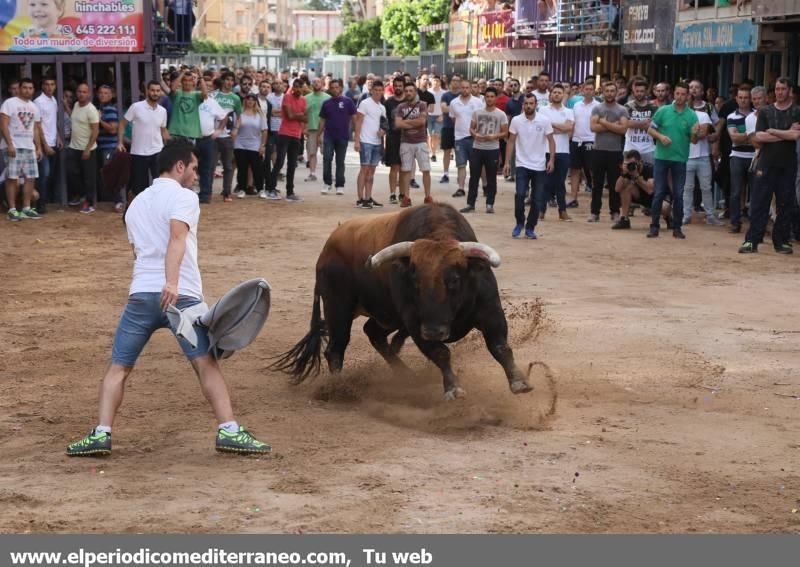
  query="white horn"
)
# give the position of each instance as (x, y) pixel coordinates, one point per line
(399, 250)
(478, 250)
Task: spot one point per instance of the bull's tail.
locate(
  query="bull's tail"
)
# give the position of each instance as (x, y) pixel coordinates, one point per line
(303, 359)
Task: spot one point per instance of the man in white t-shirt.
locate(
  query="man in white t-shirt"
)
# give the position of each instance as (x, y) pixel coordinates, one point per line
(149, 121)
(20, 133)
(435, 115)
(370, 121)
(531, 140)
(461, 110)
(563, 121)
(213, 123)
(51, 142)
(162, 228)
(582, 144)
(699, 165)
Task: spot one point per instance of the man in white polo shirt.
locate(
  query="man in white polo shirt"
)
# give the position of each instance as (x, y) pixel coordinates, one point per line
(531, 138)
(162, 229)
(51, 142)
(461, 110)
(149, 120)
(563, 120)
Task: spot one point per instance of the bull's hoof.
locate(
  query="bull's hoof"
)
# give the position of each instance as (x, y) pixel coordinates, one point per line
(520, 387)
(454, 394)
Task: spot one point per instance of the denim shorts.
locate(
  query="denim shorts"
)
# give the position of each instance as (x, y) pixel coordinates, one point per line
(141, 318)
(371, 154)
(463, 150)
(434, 126)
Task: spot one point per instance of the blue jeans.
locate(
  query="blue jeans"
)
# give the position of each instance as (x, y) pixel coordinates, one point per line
(556, 184)
(536, 181)
(700, 167)
(329, 148)
(740, 178)
(141, 318)
(661, 172)
(44, 183)
(205, 171)
(769, 180)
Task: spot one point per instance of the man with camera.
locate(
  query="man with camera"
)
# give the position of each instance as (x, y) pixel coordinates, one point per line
(635, 185)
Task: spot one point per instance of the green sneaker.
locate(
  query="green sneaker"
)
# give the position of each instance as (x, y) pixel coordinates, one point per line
(14, 215)
(240, 442)
(784, 249)
(94, 444)
(748, 248)
(31, 214)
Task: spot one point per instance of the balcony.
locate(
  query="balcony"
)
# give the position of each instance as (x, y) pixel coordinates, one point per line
(573, 21)
(707, 10)
(172, 37)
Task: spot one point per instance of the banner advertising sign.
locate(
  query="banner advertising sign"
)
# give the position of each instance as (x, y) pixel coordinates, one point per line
(495, 30)
(647, 27)
(90, 26)
(459, 31)
(775, 8)
(736, 36)
(535, 16)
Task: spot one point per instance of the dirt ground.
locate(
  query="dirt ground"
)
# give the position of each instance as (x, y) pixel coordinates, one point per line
(657, 366)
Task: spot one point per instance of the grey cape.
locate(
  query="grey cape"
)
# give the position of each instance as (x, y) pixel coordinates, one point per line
(233, 322)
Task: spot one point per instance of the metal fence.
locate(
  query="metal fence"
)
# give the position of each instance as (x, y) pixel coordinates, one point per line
(343, 66)
(271, 59)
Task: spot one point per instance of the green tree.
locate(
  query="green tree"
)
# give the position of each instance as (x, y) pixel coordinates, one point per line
(348, 16)
(326, 5)
(359, 37)
(402, 20)
(305, 49)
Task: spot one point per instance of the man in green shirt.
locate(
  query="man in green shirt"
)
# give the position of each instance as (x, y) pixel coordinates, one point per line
(674, 127)
(314, 101)
(185, 120)
(230, 102)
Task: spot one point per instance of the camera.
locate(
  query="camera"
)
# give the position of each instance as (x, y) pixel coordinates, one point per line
(630, 169)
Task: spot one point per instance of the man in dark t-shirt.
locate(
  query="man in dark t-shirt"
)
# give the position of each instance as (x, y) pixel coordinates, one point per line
(448, 127)
(411, 118)
(777, 132)
(391, 154)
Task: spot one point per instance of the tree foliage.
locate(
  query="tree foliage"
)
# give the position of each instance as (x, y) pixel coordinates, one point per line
(327, 5)
(305, 49)
(200, 45)
(348, 15)
(402, 20)
(359, 37)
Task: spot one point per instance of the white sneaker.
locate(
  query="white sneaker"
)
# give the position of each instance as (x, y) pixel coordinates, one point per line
(327, 190)
(311, 177)
(240, 194)
(340, 190)
(262, 194)
(119, 207)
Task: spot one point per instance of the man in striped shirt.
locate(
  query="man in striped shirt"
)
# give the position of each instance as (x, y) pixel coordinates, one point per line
(742, 153)
(107, 138)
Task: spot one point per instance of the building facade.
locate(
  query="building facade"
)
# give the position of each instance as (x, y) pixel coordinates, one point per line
(366, 9)
(311, 25)
(258, 22)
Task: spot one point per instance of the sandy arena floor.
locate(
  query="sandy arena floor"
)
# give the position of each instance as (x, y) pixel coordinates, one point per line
(664, 374)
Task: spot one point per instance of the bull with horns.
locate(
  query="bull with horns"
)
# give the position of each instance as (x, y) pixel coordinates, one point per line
(418, 273)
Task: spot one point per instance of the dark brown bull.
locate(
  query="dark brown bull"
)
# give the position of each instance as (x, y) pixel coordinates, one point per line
(420, 272)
